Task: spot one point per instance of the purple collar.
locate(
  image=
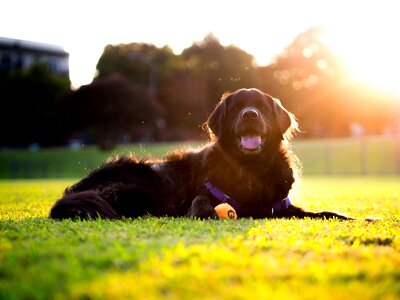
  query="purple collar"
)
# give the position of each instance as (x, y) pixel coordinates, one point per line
(221, 196)
(217, 193)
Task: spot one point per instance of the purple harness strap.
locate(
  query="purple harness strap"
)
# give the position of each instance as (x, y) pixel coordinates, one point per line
(221, 196)
(217, 193)
(281, 205)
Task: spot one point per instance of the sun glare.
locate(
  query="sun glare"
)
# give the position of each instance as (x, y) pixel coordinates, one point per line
(370, 52)
(375, 63)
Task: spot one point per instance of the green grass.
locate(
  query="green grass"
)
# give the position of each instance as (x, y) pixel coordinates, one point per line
(372, 155)
(165, 258)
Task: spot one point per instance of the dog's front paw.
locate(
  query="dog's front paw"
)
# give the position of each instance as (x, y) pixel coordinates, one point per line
(202, 209)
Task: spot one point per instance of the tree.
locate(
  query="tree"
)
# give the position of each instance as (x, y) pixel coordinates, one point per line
(187, 85)
(109, 109)
(29, 100)
(147, 66)
(218, 68)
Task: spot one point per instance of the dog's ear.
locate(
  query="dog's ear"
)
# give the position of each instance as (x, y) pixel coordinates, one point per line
(217, 117)
(286, 120)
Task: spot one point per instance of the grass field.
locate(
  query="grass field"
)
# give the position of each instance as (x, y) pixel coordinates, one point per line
(163, 258)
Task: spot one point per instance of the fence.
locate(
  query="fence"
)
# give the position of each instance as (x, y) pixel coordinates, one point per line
(363, 156)
(351, 156)
(47, 168)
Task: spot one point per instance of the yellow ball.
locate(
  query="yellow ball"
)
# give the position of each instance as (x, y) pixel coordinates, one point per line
(224, 210)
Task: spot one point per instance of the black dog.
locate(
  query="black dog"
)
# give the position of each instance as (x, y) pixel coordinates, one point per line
(247, 164)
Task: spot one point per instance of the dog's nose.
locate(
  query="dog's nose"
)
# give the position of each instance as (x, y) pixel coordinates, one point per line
(250, 114)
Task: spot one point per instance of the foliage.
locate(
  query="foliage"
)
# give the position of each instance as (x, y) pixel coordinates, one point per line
(106, 109)
(29, 104)
(218, 68)
(308, 77)
(187, 85)
(134, 61)
(147, 93)
(158, 258)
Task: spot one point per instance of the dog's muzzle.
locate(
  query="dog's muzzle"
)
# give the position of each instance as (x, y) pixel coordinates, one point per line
(250, 130)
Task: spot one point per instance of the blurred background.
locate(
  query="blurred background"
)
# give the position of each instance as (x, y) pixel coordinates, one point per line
(93, 76)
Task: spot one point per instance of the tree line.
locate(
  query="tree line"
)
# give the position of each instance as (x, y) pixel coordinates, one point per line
(148, 93)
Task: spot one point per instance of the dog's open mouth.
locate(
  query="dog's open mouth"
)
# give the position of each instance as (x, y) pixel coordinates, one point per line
(251, 144)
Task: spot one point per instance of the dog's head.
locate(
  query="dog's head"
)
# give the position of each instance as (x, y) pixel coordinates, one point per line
(249, 121)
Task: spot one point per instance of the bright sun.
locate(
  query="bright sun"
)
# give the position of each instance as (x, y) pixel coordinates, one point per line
(370, 52)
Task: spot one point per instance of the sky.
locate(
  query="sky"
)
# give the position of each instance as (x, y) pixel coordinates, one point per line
(363, 33)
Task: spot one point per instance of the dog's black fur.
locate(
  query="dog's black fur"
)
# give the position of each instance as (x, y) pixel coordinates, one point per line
(247, 159)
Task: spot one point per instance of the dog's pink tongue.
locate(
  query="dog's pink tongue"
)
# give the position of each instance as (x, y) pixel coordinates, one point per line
(250, 142)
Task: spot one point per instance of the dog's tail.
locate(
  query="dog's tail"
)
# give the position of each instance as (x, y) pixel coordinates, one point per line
(84, 205)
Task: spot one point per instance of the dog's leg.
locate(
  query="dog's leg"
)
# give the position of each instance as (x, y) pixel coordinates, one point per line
(202, 209)
(297, 212)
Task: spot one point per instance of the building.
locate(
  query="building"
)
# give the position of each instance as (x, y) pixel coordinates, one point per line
(20, 55)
